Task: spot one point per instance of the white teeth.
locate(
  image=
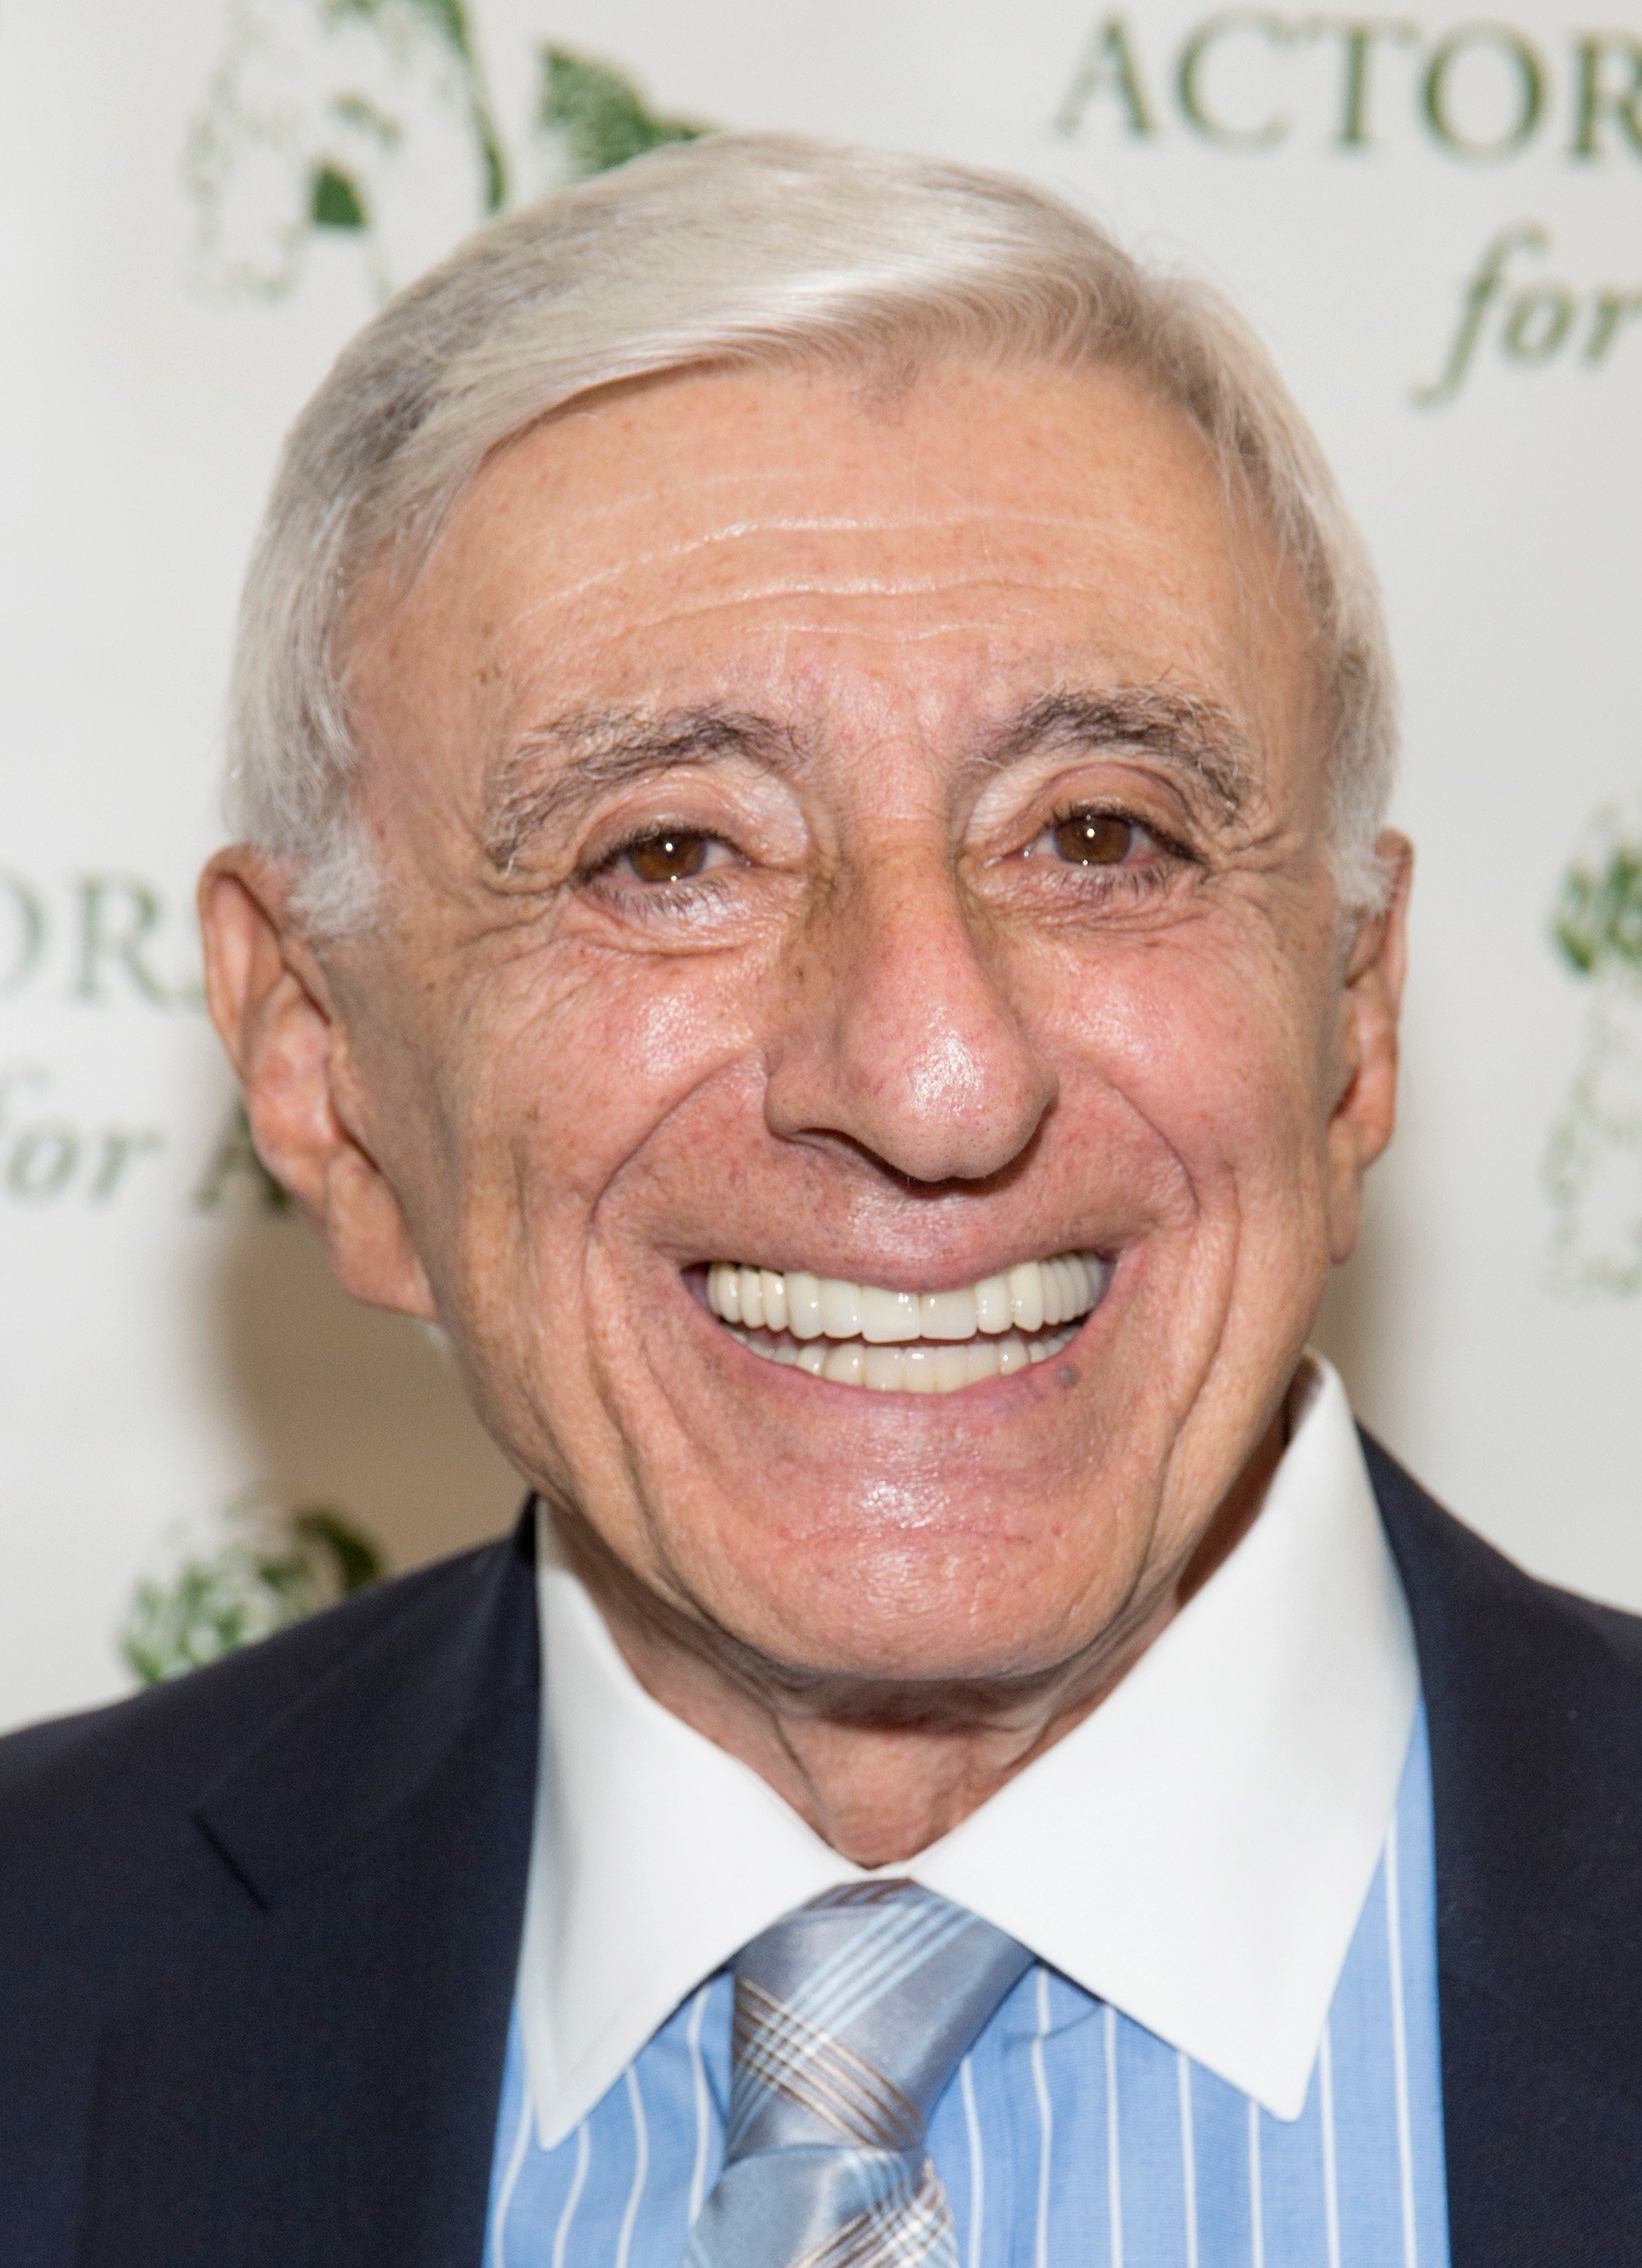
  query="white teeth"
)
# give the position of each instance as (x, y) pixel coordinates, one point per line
(843, 1364)
(932, 1369)
(948, 1315)
(917, 1370)
(1026, 1296)
(951, 1366)
(1068, 1267)
(803, 1305)
(908, 1342)
(883, 1369)
(887, 1317)
(724, 1291)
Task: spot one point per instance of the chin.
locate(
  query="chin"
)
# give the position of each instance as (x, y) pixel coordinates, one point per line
(843, 1492)
(933, 1607)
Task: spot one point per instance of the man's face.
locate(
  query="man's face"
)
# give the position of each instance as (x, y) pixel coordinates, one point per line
(877, 840)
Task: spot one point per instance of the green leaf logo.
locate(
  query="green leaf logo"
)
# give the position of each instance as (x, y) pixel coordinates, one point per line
(598, 116)
(1598, 921)
(1594, 1158)
(371, 124)
(255, 1570)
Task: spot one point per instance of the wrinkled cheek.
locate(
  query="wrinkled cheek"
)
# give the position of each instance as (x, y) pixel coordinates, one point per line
(558, 1111)
(1210, 1068)
(627, 1068)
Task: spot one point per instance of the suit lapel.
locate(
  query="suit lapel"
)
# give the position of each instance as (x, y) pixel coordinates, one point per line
(1534, 1700)
(313, 2083)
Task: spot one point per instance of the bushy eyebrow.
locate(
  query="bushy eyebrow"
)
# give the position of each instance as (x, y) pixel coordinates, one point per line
(558, 770)
(1187, 735)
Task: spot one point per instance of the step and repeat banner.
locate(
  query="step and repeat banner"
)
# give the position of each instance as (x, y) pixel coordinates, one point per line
(1433, 217)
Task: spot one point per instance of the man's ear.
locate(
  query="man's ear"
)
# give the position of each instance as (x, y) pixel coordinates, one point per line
(271, 1004)
(1370, 1001)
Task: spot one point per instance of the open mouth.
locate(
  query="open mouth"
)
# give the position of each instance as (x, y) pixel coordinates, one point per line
(908, 1342)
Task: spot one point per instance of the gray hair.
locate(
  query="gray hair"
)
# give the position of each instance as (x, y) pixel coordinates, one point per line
(741, 250)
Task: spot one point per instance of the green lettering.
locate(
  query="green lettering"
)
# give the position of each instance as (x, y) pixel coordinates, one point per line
(1481, 292)
(1530, 73)
(235, 1157)
(1538, 323)
(1358, 36)
(1614, 310)
(1108, 66)
(107, 937)
(121, 1146)
(42, 1160)
(1194, 55)
(29, 917)
(1594, 100)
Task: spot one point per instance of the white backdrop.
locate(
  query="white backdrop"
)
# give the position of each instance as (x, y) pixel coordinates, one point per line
(1434, 222)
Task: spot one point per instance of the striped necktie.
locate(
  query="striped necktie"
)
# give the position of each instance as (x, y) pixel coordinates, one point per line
(851, 2017)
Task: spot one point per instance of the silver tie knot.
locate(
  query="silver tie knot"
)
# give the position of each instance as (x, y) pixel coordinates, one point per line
(852, 2016)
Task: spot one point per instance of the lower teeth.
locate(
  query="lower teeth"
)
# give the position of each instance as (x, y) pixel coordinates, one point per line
(921, 1368)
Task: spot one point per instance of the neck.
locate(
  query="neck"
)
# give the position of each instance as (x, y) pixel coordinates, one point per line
(881, 1768)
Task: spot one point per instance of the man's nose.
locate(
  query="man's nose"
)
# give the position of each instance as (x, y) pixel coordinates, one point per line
(901, 1037)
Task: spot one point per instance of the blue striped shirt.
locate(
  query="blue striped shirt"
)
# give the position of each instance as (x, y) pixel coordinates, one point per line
(1071, 2134)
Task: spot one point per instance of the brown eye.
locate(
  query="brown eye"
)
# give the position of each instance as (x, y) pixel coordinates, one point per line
(670, 858)
(1094, 838)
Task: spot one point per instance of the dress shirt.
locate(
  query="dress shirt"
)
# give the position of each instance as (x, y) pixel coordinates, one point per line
(1227, 2049)
(1196, 1853)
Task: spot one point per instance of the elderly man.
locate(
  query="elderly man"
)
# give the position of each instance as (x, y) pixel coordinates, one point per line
(811, 744)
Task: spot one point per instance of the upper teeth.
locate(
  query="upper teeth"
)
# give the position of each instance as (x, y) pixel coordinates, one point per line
(1036, 1296)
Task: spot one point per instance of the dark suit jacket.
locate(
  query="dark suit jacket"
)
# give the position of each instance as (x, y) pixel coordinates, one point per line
(258, 1929)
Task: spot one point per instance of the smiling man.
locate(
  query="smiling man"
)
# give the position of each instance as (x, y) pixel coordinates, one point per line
(811, 745)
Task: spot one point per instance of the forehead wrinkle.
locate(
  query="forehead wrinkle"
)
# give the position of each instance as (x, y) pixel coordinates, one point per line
(1184, 731)
(678, 610)
(986, 520)
(601, 750)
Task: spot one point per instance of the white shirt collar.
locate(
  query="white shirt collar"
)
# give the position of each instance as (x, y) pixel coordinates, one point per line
(1196, 1851)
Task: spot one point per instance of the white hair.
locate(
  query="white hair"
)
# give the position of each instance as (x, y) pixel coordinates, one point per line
(741, 250)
